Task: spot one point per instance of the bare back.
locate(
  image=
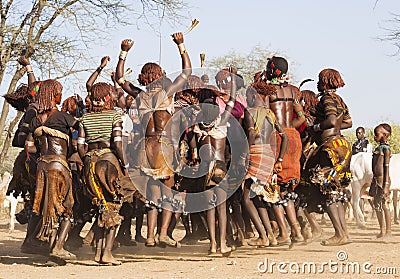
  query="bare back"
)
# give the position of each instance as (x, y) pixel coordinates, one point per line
(282, 103)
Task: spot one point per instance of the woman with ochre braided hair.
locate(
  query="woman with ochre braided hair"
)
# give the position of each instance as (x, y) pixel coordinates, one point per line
(260, 124)
(24, 170)
(50, 137)
(155, 110)
(283, 101)
(327, 169)
(211, 132)
(101, 130)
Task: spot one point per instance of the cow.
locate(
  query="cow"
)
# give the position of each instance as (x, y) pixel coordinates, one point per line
(361, 170)
(394, 173)
(9, 201)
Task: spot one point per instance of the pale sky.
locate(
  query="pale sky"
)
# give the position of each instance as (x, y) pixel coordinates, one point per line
(314, 34)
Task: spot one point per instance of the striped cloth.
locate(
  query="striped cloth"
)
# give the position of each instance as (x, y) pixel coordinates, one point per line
(261, 163)
(98, 125)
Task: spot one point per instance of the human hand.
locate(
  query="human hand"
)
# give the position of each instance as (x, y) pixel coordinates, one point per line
(178, 38)
(104, 61)
(242, 160)
(278, 167)
(232, 70)
(23, 61)
(386, 193)
(127, 44)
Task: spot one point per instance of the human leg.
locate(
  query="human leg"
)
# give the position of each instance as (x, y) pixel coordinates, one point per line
(254, 216)
(107, 256)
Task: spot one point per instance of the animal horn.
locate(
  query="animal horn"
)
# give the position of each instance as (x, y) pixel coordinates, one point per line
(128, 71)
(194, 24)
(202, 59)
(305, 81)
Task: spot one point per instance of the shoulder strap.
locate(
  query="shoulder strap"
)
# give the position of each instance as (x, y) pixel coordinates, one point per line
(283, 100)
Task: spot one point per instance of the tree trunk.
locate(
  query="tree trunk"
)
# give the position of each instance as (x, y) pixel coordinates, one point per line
(6, 107)
(10, 133)
(3, 117)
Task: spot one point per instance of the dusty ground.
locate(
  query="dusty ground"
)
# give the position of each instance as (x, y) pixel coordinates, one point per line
(193, 262)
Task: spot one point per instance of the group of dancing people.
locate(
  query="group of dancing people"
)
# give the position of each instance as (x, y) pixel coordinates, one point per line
(267, 155)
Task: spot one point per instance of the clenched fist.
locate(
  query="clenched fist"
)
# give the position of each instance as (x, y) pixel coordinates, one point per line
(178, 38)
(23, 61)
(104, 61)
(126, 44)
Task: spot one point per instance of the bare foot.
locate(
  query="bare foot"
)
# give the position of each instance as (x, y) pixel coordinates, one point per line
(150, 242)
(335, 241)
(97, 257)
(306, 233)
(316, 235)
(165, 241)
(213, 248)
(108, 258)
(387, 237)
(283, 240)
(380, 235)
(62, 254)
(272, 240)
(225, 250)
(297, 239)
(240, 243)
(250, 234)
(259, 242)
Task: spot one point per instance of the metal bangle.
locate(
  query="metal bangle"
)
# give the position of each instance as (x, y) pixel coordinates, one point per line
(230, 104)
(81, 140)
(185, 77)
(317, 127)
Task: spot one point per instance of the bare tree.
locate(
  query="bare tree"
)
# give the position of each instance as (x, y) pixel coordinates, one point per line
(7, 141)
(393, 33)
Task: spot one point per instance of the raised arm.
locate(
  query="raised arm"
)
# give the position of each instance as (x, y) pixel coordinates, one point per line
(96, 73)
(186, 65)
(24, 61)
(126, 85)
(232, 98)
(121, 102)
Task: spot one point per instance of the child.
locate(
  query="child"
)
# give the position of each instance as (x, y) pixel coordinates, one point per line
(380, 185)
(362, 144)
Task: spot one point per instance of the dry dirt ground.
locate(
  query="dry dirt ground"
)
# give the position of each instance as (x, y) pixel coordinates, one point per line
(367, 253)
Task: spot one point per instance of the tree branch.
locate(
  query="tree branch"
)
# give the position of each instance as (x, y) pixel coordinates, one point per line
(72, 72)
(10, 132)
(53, 18)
